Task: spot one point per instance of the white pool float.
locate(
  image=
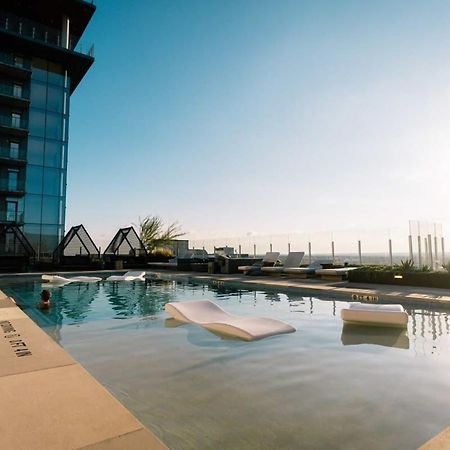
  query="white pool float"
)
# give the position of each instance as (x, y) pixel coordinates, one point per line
(212, 317)
(377, 315)
(129, 276)
(57, 279)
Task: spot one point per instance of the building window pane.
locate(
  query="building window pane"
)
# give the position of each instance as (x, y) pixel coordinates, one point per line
(38, 95)
(37, 122)
(54, 126)
(14, 150)
(51, 181)
(50, 210)
(55, 99)
(49, 239)
(13, 179)
(17, 90)
(34, 179)
(39, 70)
(53, 150)
(16, 119)
(35, 152)
(33, 208)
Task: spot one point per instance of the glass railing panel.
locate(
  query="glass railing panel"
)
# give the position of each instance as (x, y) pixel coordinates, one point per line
(39, 32)
(13, 122)
(12, 153)
(11, 185)
(11, 216)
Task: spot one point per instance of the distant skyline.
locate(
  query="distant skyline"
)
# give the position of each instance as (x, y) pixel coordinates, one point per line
(263, 118)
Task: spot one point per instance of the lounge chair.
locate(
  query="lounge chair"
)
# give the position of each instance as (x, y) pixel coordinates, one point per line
(334, 274)
(293, 259)
(129, 276)
(269, 260)
(377, 315)
(212, 317)
(56, 279)
(304, 272)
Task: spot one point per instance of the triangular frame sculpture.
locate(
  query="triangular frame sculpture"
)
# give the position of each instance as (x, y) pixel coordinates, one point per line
(124, 239)
(77, 243)
(16, 260)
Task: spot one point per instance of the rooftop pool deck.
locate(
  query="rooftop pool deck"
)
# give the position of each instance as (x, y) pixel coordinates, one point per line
(325, 386)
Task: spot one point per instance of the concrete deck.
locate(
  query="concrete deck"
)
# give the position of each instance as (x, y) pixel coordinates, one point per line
(50, 402)
(439, 442)
(375, 292)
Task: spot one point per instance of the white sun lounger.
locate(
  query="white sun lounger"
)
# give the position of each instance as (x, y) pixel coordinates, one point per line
(212, 317)
(57, 279)
(294, 259)
(129, 276)
(378, 315)
(334, 274)
(269, 258)
(303, 272)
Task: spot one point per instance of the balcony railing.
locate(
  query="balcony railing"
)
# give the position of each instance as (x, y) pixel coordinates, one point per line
(8, 58)
(42, 33)
(12, 91)
(13, 122)
(11, 216)
(11, 185)
(7, 152)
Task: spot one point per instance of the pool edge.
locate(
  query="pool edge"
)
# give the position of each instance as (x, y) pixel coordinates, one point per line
(56, 400)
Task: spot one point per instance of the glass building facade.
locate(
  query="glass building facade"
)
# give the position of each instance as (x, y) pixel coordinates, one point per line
(40, 68)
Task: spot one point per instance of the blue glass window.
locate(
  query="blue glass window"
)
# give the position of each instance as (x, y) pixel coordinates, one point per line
(34, 179)
(38, 95)
(37, 122)
(52, 181)
(33, 208)
(50, 209)
(35, 152)
(53, 150)
(54, 126)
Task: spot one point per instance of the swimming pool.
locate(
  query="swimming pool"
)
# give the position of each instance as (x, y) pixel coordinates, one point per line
(325, 386)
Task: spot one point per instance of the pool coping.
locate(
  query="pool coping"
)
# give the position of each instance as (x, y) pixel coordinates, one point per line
(50, 401)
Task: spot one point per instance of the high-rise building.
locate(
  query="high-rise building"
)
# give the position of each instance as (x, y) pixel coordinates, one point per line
(41, 64)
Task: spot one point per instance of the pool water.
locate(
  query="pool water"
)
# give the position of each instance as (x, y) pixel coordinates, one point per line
(325, 386)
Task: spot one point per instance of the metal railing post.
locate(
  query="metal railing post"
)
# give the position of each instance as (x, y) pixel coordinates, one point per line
(359, 252)
(390, 252)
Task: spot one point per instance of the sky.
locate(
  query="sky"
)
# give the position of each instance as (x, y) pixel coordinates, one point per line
(244, 118)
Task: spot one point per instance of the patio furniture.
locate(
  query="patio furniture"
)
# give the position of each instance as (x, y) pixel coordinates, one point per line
(129, 276)
(212, 317)
(376, 315)
(334, 274)
(57, 279)
(304, 272)
(269, 260)
(293, 259)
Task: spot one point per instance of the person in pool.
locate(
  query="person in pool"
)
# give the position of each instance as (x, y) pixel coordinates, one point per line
(45, 300)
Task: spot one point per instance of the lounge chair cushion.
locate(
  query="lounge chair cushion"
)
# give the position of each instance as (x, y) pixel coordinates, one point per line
(337, 272)
(212, 317)
(381, 315)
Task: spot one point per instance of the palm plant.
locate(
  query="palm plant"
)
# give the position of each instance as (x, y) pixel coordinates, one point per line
(406, 266)
(155, 235)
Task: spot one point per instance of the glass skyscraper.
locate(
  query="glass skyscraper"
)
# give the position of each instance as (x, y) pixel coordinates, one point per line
(41, 64)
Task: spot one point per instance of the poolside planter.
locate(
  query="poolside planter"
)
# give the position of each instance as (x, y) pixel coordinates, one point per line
(420, 279)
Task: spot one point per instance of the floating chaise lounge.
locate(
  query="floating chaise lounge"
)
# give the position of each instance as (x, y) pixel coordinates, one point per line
(376, 315)
(129, 276)
(269, 260)
(57, 279)
(340, 273)
(294, 259)
(212, 317)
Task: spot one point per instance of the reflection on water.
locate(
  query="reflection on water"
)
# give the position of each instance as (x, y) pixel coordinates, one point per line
(388, 337)
(302, 390)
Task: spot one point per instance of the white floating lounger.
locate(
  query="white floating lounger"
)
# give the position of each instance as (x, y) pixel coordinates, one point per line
(378, 315)
(57, 279)
(212, 317)
(129, 276)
